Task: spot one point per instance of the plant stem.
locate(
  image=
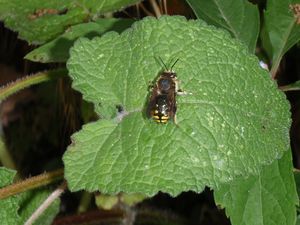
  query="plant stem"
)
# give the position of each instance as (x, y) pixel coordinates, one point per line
(27, 81)
(5, 156)
(155, 8)
(31, 183)
(145, 10)
(45, 205)
(274, 69)
(85, 202)
(165, 7)
(291, 87)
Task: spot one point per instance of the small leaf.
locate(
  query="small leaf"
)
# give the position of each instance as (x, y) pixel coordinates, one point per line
(40, 21)
(106, 202)
(58, 49)
(232, 122)
(17, 209)
(240, 18)
(132, 199)
(267, 198)
(281, 29)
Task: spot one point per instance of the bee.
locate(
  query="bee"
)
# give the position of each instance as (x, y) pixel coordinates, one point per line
(162, 103)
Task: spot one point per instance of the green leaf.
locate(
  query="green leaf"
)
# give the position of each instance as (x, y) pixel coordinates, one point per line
(232, 121)
(281, 28)
(239, 17)
(17, 209)
(40, 21)
(132, 199)
(9, 207)
(298, 220)
(106, 202)
(6, 176)
(35, 198)
(267, 198)
(297, 180)
(58, 49)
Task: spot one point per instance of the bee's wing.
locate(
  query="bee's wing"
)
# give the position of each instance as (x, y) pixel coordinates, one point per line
(172, 104)
(152, 101)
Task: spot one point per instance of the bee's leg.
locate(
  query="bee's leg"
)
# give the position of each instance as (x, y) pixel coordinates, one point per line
(175, 120)
(173, 114)
(177, 90)
(176, 82)
(150, 85)
(181, 92)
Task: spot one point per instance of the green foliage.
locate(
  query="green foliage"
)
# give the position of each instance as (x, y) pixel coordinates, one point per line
(267, 198)
(281, 31)
(232, 125)
(17, 209)
(57, 50)
(132, 199)
(107, 202)
(40, 21)
(297, 180)
(225, 125)
(8, 213)
(35, 199)
(239, 17)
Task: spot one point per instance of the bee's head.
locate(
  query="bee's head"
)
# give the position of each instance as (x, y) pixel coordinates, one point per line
(164, 84)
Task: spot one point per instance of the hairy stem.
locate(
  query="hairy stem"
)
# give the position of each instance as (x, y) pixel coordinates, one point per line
(31, 183)
(27, 81)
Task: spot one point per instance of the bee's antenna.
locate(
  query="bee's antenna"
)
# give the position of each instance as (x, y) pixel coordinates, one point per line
(174, 64)
(163, 63)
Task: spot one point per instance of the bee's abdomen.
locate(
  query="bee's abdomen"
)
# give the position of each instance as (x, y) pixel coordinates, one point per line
(160, 111)
(159, 117)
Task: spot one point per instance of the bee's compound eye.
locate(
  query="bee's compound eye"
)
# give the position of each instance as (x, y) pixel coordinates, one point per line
(165, 84)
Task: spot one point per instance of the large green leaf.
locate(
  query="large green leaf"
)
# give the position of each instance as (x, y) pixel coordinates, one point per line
(239, 17)
(17, 209)
(40, 21)
(57, 50)
(281, 30)
(232, 121)
(268, 198)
